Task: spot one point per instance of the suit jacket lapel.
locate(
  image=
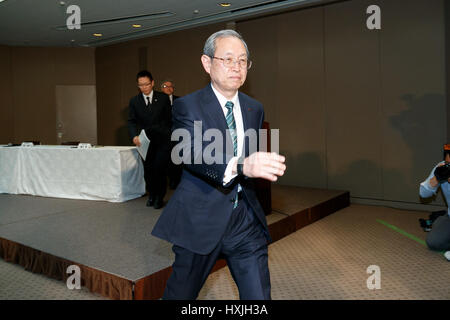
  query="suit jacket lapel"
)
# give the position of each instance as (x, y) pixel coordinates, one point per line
(154, 98)
(142, 102)
(212, 108)
(245, 111)
(147, 109)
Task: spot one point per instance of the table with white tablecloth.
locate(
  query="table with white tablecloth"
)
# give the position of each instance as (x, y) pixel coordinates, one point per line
(114, 174)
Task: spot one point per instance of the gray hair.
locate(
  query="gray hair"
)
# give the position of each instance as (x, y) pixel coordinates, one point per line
(210, 45)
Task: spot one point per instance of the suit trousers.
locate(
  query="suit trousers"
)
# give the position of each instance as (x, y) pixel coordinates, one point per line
(174, 170)
(439, 237)
(244, 248)
(155, 171)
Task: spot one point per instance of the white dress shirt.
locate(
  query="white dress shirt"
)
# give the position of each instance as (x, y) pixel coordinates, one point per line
(426, 190)
(150, 96)
(228, 176)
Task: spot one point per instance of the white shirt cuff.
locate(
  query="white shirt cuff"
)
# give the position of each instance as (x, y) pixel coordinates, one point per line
(228, 176)
(427, 190)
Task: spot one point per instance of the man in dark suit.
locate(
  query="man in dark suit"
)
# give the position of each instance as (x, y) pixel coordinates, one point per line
(151, 111)
(174, 171)
(214, 212)
(168, 87)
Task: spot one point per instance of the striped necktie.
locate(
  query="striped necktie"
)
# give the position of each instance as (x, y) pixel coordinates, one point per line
(232, 126)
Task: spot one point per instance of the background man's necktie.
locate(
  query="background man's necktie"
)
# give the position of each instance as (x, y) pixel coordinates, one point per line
(148, 101)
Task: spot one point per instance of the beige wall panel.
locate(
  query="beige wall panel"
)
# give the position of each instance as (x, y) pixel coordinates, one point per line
(111, 112)
(447, 60)
(352, 100)
(74, 66)
(172, 56)
(177, 56)
(413, 94)
(34, 94)
(76, 113)
(129, 67)
(128, 60)
(262, 79)
(300, 96)
(6, 97)
(29, 76)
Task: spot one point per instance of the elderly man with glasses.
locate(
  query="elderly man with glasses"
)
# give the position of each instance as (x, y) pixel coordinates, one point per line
(214, 212)
(174, 171)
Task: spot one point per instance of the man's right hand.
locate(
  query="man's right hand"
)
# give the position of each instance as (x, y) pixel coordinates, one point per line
(136, 141)
(264, 165)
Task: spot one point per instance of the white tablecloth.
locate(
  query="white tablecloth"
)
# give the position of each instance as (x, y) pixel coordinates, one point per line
(114, 174)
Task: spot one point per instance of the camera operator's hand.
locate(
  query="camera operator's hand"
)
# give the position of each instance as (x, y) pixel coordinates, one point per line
(434, 182)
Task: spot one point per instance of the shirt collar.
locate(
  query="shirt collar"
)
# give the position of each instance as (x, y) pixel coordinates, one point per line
(150, 96)
(222, 99)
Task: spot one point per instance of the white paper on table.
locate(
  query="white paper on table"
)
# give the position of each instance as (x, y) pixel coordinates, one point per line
(145, 142)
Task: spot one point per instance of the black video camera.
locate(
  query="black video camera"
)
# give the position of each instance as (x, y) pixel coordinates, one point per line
(442, 173)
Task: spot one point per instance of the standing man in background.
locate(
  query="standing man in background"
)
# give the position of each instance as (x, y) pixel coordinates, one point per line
(214, 212)
(151, 111)
(168, 87)
(174, 170)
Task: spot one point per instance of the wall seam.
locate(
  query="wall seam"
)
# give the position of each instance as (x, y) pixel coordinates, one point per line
(325, 97)
(380, 102)
(11, 79)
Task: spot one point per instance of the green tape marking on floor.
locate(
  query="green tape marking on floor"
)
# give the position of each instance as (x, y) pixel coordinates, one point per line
(412, 237)
(402, 232)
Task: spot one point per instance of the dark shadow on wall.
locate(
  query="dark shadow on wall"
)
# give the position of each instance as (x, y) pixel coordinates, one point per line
(361, 177)
(304, 170)
(423, 128)
(122, 136)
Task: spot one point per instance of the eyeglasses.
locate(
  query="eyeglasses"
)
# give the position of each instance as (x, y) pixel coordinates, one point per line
(230, 62)
(144, 85)
(166, 86)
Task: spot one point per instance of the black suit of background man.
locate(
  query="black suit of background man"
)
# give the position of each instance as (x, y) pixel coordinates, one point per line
(174, 170)
(155, 119)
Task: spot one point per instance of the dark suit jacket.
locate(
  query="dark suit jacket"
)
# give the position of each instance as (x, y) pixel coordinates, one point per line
(174, 97)
(155, 120)
(198, 212)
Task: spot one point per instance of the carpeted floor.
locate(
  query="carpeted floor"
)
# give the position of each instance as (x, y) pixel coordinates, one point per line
(18, 284)
(329, 260)
(325, 260)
